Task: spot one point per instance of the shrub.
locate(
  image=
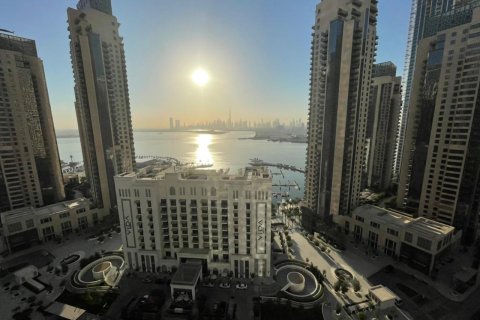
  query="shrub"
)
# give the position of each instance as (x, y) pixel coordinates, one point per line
(317, 243)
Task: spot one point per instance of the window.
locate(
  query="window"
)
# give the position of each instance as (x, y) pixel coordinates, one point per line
(392, 232)
(172, 191)
(45, 220)
(213, 192)
(374, 225)
(408, 237)
(424, 243)
(64, 215)
(48, 231)
(358, 218)
(81, 210)
(14, 227)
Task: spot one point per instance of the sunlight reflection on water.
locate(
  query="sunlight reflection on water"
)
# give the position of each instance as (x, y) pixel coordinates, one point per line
(203, 156)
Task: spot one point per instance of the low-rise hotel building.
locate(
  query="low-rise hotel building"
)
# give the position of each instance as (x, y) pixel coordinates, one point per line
(28, 226)
(170, 215)
(419, 242)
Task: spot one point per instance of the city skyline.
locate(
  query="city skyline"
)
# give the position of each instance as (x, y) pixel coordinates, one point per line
(257, 80)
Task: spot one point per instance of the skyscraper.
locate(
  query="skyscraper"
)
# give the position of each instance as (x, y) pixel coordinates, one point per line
(30, 172)
(101, 92)
(343, 51)
(440, 173)
(382, 126)
(420, 11)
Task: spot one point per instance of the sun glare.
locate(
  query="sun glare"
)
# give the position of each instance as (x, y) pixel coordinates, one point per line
(200, 77)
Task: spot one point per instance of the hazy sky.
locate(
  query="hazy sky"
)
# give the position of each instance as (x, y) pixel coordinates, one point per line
(257, 53)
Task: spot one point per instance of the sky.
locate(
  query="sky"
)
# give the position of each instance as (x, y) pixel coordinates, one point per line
(257, 53)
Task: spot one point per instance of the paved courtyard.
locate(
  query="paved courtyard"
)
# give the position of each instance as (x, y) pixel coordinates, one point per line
(18, 298)
(328, 261)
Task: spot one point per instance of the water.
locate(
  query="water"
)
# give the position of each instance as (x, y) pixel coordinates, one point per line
(223, 150)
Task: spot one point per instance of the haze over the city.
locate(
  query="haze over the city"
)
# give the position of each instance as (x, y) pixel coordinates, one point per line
(256, 54)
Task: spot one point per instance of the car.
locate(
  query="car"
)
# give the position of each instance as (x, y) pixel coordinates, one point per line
(241, 286)
(147, 280)
(224, 285)
(209, 284)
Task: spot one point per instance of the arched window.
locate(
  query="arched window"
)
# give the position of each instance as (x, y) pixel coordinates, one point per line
(213, 192)
(172, 191)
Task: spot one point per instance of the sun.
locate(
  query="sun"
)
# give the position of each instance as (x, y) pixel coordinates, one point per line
(200, 77)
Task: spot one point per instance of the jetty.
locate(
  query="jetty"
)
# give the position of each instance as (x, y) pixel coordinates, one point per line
(259, 162)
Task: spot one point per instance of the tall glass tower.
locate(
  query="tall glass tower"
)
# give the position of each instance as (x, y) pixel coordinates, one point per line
(101, 92)
(420, 11)
(30, 172)
(343, 52)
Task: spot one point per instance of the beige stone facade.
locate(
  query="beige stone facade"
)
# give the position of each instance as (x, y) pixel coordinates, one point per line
(28, 226)
(439, 177)
(169, 215)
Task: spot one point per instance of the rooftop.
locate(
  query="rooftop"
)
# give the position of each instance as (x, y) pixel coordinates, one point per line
(183, 172)
(19, 44)
(382, 293)
(47, 210)
(65, 311)
(389, 217)
(187, 274)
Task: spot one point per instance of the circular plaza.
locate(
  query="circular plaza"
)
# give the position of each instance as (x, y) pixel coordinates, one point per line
(297, 283)
(104, 271)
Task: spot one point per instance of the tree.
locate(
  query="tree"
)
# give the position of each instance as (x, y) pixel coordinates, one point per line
(362, 316)
(338, 309)
(344, 286)
(356, 285)
(337, 285)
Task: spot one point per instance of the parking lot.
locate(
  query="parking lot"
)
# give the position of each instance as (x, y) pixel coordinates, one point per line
(242, 298)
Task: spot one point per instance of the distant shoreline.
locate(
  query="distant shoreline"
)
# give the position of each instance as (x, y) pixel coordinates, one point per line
(291, 140)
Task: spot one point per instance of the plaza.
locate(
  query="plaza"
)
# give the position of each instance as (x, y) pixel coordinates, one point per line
(56, 280)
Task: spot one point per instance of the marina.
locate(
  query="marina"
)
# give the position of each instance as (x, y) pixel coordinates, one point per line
(259, 162)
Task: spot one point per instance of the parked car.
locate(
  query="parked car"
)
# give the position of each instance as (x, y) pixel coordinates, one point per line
(224, 285)
(241, 286)
(147, 280)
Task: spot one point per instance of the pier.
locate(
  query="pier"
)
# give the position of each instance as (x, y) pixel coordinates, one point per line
(166, 159)
(258, 162)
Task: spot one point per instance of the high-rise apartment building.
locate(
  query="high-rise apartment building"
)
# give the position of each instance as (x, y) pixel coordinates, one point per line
(169, 215)
(30, 172)
(440, 173)
(101, 92)
(420, 11)
(343, 51)
(383, 126)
